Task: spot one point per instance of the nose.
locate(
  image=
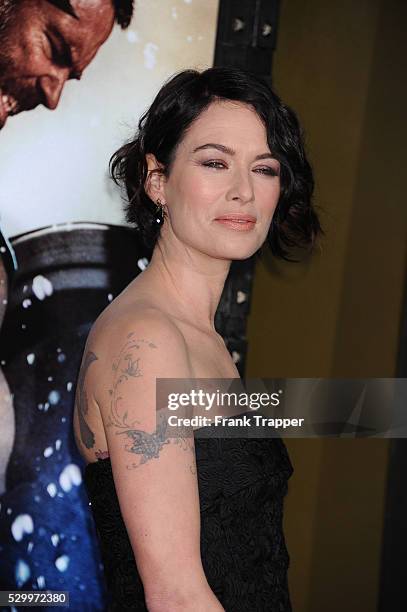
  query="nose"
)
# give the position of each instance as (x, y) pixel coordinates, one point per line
(51, 87)
(241, 187)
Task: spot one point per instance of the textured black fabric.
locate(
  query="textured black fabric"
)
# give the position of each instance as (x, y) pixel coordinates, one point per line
(242, 483)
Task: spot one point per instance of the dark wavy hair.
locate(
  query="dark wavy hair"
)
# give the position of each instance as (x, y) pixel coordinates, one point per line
(123, 10)
(179, 102)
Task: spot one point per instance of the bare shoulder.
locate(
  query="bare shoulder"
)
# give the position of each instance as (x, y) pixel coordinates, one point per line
(137, 341)
(120, 314)
(126, 351)
(116, 391)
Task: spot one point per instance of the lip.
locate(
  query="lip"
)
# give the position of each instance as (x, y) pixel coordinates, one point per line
(237, 217)
(239, 225)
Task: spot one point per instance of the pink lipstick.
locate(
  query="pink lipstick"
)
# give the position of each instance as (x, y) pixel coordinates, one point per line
(240, 222)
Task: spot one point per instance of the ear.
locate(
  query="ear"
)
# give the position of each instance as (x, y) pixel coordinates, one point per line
(154, 185)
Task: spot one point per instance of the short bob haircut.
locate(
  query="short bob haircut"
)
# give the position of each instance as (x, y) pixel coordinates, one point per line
(177, 105)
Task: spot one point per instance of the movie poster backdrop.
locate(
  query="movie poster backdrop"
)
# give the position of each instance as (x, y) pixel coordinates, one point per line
(74, 79)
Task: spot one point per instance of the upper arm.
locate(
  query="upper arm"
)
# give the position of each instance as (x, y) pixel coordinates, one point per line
(154, 473)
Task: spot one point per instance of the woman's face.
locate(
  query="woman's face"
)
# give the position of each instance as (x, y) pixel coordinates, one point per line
(223, 167)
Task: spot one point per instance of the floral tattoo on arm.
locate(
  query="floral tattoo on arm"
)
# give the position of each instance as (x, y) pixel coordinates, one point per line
(145, 445)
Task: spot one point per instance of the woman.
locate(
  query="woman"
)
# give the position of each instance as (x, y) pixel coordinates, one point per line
(216, 168)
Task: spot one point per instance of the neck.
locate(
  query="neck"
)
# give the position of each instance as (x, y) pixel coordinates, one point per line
(188, 283)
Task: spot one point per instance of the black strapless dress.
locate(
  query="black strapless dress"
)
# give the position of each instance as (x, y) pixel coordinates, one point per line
(242, 483)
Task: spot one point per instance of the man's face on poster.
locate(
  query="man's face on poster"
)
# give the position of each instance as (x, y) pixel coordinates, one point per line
(43, 43)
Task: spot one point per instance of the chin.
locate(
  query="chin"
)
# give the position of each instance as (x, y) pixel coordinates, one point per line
(238, 253)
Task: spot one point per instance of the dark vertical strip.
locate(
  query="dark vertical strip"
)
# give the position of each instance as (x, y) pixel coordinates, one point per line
(393, 587)
(246, 34)
(245, 38)
(393, 575)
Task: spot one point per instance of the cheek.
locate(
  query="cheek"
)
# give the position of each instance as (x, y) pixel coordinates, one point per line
(193, 190)
(268, 196)
(27, 56)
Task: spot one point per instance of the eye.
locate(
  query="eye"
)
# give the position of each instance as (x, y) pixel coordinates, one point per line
(50, 47)
(267, 170)
(213, 163)
(59, 55)
(55, 54)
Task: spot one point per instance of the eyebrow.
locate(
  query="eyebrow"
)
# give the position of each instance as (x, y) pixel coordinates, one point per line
(229, 151)
(64, 5)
